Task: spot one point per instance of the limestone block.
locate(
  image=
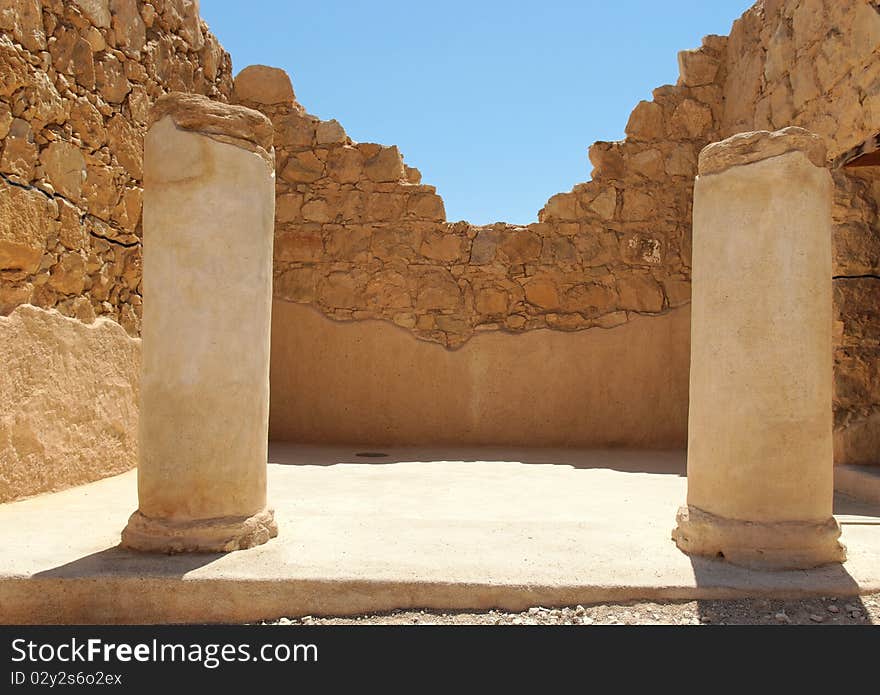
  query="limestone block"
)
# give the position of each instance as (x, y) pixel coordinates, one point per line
(590, 298)
(646, 122)
(697, 67)
(14, 72)
(639, 292)
(345, 164)
(110, 79)
(543, 293)
(5, 119)
(68, 401)
(438, 290)
(87, 122)
(759, 436)
(68, 275)
(413, 175)
(65, 168)
(128, 26)
(330, 133)
(288, 207)
(304, 167)
(605, 203)
(607, 160)
(261, 84)
(25, 218)
(44, 103)
(492, 301)
(385, 165)
(691, 119)
(426, 206)
(648, 163)
(97, 11)
(19, 150)
(520, 245)
(207, 268)
(562, 206)
(23, 19)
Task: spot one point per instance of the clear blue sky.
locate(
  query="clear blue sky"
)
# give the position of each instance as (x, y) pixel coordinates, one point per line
(496, 102)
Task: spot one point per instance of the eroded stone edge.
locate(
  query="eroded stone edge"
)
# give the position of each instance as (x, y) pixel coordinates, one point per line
(220, 535)
(229, 123)
(755, 146)
(765, 545)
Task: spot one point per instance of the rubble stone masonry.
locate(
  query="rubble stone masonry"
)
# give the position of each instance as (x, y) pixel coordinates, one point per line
(359, 236)
(77, 80)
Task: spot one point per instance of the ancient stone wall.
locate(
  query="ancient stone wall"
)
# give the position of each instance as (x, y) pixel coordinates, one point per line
(359, 235)
(77, 80)
(814, 63)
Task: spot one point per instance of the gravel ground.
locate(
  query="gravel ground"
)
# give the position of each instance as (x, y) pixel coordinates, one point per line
(864, 610)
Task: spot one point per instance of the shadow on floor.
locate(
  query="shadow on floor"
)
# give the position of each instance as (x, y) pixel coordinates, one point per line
(121, 562)
(853, 511)
(839, 602)
(625, 460)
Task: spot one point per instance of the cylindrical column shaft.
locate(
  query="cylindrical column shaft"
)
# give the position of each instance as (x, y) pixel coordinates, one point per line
(760, 481)
(207, 283)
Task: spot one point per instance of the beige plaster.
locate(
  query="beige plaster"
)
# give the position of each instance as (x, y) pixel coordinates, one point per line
(374, 383)
(760, 481)
(208, 216)
(68, 401)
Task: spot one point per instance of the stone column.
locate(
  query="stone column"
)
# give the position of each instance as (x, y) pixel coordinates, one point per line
(760, 467)
(209, 202)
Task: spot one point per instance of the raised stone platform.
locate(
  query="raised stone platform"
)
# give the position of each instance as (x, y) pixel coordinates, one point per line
(490, 528)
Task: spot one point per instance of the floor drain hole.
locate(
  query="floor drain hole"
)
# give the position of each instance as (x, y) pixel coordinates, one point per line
(371, 454)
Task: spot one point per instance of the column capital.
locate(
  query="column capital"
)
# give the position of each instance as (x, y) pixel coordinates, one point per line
(748, 148)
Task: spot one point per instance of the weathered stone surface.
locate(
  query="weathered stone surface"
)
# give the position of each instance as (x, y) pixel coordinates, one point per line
(126, 142)
(97, 11)
(68, 401)
(207, 238)
(330, 133)
(65, 168)
(129, 27)
(261, 84)
(24, 215)
(697, 67)
(741, 370)
(87, 122)
(691, 119)
(23, 19)
(110, 79)
(345, 207)
(745, 148)
(77, 81)
(385, 165)
(199, 114)
(19, 150)
(646, 122)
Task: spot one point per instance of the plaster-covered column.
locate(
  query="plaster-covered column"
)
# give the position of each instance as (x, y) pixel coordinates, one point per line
(760, 481)
(209, 201)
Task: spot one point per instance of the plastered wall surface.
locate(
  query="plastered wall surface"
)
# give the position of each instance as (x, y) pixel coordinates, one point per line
(368, 382)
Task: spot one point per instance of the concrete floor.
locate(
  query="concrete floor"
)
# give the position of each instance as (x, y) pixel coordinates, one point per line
(446, 529)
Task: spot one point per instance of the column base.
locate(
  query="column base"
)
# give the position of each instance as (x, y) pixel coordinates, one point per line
(767, 545)
(221, 535)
